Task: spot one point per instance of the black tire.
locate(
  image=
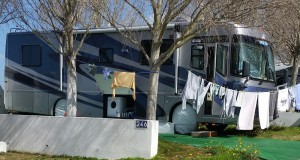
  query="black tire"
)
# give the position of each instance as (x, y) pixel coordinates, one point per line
(218, 128)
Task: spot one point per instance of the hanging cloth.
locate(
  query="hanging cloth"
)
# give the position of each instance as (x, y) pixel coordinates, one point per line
(191, 88)
(123, 79)
(273, 112)
(292, 97)
(283, 100)
(263, 109)
(297, 99)
(230, 100)
(201, 94)
(222, 92)
(240, 98)
(214, 89)
(106, 73)
(246, 116)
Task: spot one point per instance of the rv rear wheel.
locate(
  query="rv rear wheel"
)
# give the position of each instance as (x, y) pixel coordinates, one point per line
(184, 119)
(60, 108)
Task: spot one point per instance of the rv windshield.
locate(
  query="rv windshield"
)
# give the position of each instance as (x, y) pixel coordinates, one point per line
(258, 53)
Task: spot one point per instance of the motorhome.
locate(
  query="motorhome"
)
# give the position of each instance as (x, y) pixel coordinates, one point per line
(233, 56)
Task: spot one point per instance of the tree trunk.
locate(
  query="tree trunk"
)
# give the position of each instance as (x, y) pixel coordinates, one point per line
(72, 88)
(152, 94)
(295, 70)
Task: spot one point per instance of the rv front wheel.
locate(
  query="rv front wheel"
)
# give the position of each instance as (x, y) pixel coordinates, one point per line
(184, 119)
(60, 108)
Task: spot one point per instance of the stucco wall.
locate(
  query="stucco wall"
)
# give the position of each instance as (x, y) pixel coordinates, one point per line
(89, 137)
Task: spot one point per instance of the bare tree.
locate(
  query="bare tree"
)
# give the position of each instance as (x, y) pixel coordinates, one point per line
(157, 14)
(63, 17)
(283, 24)
(5, 12)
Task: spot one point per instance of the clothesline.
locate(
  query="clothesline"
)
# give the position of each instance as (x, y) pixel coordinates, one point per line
(195, 89)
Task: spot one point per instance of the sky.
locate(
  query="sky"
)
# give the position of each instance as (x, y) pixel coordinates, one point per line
(4, 29)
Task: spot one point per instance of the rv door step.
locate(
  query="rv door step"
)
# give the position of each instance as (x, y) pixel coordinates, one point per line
(197, 134)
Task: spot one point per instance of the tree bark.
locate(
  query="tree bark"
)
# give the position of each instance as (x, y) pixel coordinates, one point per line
(72, 88)
(152, 94)
(295, 70)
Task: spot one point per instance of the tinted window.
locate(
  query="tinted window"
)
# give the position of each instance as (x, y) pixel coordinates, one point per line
(31, 55)
(221, 64)
(163, 48)
(197, 56)
(106, 55)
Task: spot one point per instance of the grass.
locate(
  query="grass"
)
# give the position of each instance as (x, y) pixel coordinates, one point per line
(166, 151)
(273, 132)
(32, 156)
(171, 150)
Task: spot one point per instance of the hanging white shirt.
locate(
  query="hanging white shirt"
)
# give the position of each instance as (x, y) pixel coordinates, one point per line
(292, 96)
(201, 94)
(222, 92)
(240, 99)
(246, 116)
(263, 109)
(297, 99)
(191, 88)
(230, 100)
(283, 100)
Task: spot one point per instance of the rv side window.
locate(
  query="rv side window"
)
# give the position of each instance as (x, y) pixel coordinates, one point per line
(31, 55)
(164, 47)
(197, 57)
(106, 55)
(221, 64)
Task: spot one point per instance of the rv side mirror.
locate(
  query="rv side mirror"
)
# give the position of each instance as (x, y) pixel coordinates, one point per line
(246, 69)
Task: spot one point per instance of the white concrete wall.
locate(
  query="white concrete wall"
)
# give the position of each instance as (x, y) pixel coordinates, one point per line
(287, 119)
(88, 137)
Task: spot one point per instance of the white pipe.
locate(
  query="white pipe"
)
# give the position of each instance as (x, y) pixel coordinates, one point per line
(107, 30)
(176, 64)
(61, 65)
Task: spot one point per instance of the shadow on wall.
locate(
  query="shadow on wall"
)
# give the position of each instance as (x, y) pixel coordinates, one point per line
(297, 123)
(2, 107)
(287, 119)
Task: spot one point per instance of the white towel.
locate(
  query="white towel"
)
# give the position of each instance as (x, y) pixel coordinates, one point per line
(263, 109)
(283, 100)
(240, 99)
(191, 88)
(292, 96)
(297, 99)
(246, 116)
(230, 101)
(201, 94)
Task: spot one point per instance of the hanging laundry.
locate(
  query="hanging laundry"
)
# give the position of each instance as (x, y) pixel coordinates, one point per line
(106, 73)
(263, 109)
(222, 92)
(273, 111)
(232, 108)
(297, 87)
(230, 100)
(283, 100)
(191, 88)
(292, 96)
(246, 116)
(214, 89)
(123, 79)
(201, 94)
(240, 98)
